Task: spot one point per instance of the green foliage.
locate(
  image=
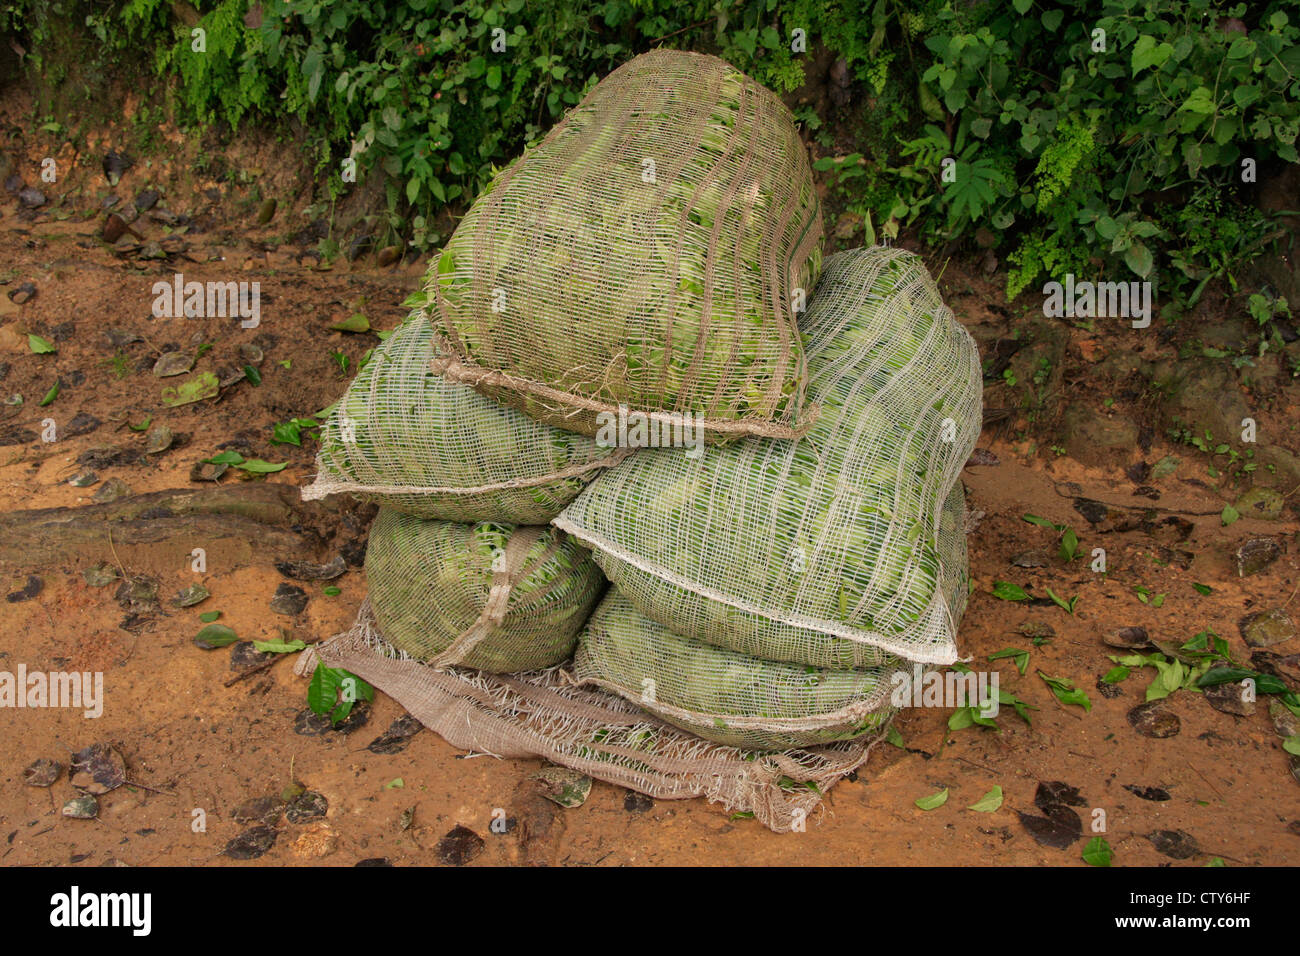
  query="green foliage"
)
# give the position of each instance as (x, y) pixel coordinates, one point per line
(1060, 131)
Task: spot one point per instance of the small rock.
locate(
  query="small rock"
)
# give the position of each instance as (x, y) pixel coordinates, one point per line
(1266, 628)
(147, 199)
(460, 846)
(1034, 558)
(637, 802)
(83, 479)
(1255, 554)
(396, 738)
(115, 164)
(31, 197)
(263, 810)
(266, 212)
(1230, 698)
(318, 841)
(982, 457)
(207, 471)
(306, 571)
(289, 599)
(82, 423)
(42, 773)
(111, 490)
(389, 255)
(28, 591)
(1262, 503)
(244, 655)
(1153, 720)
(83, 807)
(98, 768)
(251, 844)
(1109, 691)
(190, 596)
(1285, 723)
(1037, 630)
(1176, 844)
(158, 440)
(1127, 638)
(250, 353)
(1094, 512)
(1156, 794)
(309, 805)
(173, 363)
(99, 575)
(1293, 762)
(23, 294)
(137, 593)
(308, 723)
(373, 861)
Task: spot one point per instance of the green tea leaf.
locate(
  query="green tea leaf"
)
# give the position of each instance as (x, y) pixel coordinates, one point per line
(1066, 692)
(333, 591)
(207, 617)
(279, 647)
(353, 323)
(1230, 514)
(256, 466)
(194, 389)
(1020, 657)
(894, 737)
(1098, 852)
(214, 636)
(253, 375)
(934, 801)
(39, 345)
(1202, 588)
(1009, 592)
(1115, 675)
(50, 396)
(988, 803)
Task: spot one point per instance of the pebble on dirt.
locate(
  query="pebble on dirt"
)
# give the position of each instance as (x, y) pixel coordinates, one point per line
(289, 600)
(1153, 720)
(1266, 628)
(42, 772)
(251, 844)
(1175, 844)
(1255, 554)
(460, 846)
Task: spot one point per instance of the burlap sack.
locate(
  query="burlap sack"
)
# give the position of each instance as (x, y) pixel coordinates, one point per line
(419, 444)
(497, 597)
(544, 714)
(774, 549)
(650, 252)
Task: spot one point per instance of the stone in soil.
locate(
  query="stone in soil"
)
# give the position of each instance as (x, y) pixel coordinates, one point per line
(42, 773)
(83, 807)
(1230, 698)
(459, 846)
(264, 810)
(1266, 628)
(1128, 638)
(309, 805)
(1256, 554)
(1262, 503)
(1285, 723)
(1153, 720)
(289, 599)
(1175, 844)
(251, 844)
(111, 490)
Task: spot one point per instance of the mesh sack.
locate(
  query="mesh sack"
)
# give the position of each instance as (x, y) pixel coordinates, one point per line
(414, 442)
(490, 596)
(837, 534)
(721, 695)
(544, 714)
(645, 255)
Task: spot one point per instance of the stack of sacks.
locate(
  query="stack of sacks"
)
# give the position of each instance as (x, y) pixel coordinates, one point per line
(766, 593)
(648, 256)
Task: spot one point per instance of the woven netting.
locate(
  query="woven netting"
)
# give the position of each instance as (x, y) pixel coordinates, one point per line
(647, 254)
(837, 534)
(544, 714)
(417, 443)
(496, 597)
(721, 695)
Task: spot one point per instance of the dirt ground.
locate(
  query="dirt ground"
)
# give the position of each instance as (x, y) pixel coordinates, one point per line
(191, 743)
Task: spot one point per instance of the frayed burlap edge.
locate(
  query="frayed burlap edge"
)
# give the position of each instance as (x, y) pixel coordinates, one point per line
(543, 714)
